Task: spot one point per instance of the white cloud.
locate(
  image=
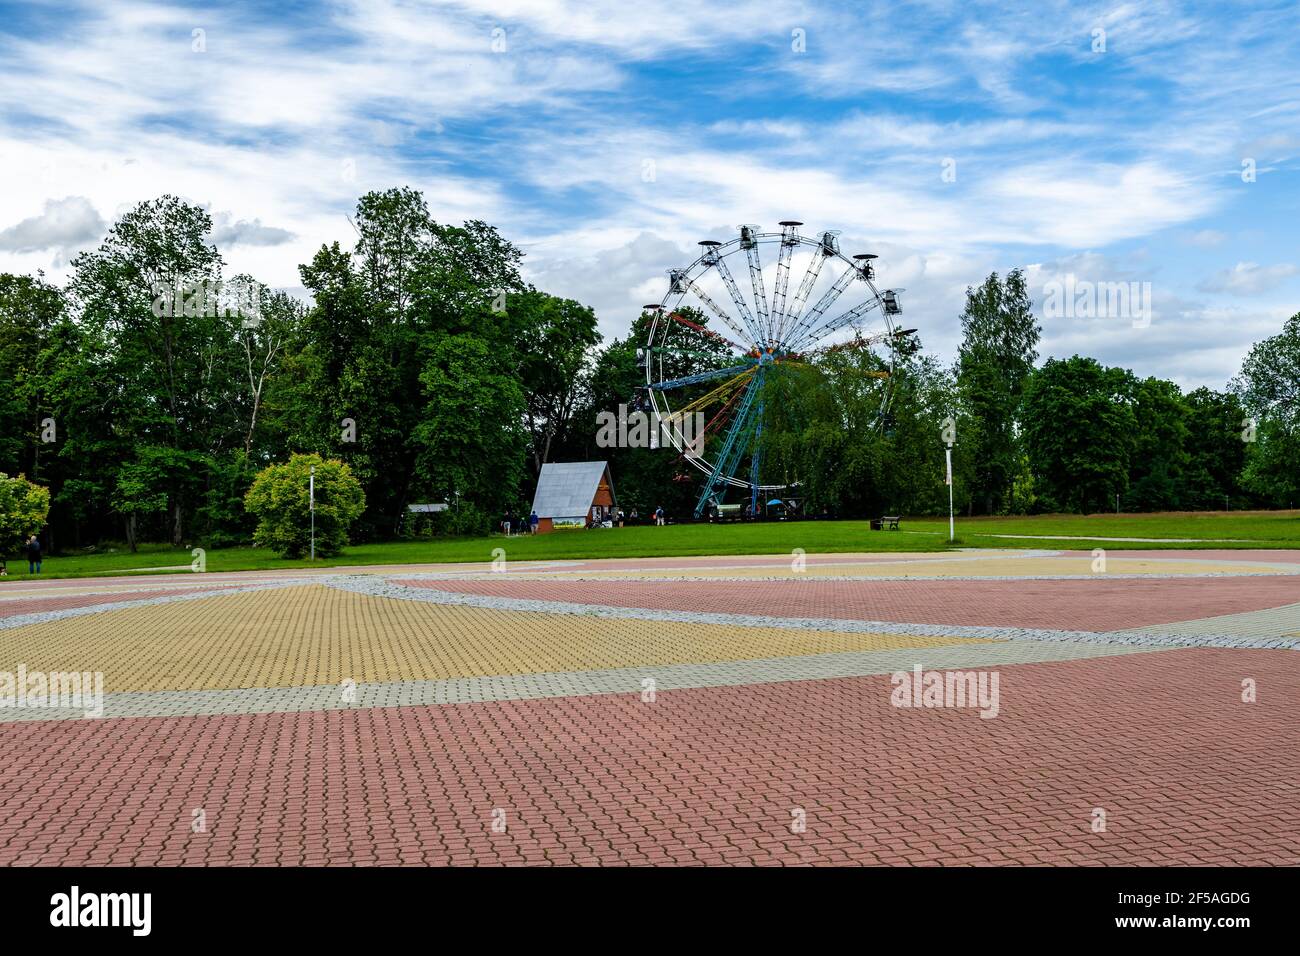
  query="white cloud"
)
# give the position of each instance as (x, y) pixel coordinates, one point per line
(1095, 204)
(1249, 278)
(226, 232)
(1207, 238)
(65, 223)
(284, 120)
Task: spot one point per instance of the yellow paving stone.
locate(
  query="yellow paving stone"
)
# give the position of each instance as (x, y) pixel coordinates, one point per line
(313, 635)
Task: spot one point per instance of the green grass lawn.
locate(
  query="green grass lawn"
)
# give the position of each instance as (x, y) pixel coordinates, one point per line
(774, 538)
(1253, 529)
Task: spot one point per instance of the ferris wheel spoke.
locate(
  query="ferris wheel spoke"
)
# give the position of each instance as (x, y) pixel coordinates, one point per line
(718, 311)
(824, 303)
(756, 280)
(683, 351)
(701, 377)
(805, 289)
(839, 322)
(723, 414)
(734, 291)
(789, 239)
(730, 388)
(708, 333)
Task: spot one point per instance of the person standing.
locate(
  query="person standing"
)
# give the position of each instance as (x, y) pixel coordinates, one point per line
(659, 515)
(533, 521)
(34, 555)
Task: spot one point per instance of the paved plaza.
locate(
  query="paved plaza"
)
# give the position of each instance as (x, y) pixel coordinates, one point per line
(739, 710)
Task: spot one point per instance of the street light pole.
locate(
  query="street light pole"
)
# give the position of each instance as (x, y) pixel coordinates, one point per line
(952, 529)
(311, 500)
(949, 435)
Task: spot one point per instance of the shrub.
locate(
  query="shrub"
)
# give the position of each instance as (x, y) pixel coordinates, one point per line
(23, 509)
(279, 501)
(462, 520)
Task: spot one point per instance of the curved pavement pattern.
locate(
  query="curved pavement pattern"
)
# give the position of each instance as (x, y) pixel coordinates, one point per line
(668, 710)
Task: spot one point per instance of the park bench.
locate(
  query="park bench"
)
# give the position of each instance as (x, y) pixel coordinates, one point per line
(890, 522)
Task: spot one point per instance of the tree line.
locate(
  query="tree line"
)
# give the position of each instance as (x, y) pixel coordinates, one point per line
(146, 397)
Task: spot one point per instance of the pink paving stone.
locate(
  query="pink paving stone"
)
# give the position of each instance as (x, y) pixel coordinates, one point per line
(61, 602)
(1101, 604)
(1185, 771)
(133, 582)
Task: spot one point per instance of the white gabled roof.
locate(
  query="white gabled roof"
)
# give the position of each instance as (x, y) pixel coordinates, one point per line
(565, 489)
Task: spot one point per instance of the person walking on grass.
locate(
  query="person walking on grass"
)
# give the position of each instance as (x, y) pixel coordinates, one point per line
(533, 521)
(34, 555)
(659, 515)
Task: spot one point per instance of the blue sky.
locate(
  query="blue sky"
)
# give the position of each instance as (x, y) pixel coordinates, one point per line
(606, 139)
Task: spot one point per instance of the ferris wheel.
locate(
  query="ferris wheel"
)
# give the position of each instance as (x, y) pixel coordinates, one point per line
(757, 338)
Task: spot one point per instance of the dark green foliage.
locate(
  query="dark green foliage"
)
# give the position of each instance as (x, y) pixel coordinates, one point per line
(1080, 432)
(426, 364)
(1269, 386)
(997, 356)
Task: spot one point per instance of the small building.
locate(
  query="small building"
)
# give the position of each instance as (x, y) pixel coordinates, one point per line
(574, 494)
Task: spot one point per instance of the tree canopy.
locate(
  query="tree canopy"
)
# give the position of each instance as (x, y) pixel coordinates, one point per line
(149, 393)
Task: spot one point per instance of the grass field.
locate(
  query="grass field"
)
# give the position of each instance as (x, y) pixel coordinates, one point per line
(1274, 529)
(1208, 529)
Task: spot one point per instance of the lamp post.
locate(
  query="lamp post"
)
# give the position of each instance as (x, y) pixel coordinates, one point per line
(952, 530)
(311, 504)
(949, 435)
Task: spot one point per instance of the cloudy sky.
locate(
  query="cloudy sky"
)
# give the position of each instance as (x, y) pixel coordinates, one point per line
(1117, 142)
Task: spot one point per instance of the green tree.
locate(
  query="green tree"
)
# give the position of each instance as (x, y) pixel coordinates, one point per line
(924, 395)
(996, 358)
(557, 336)
(168, 373)
(1158, 475)
(1217, 438)
(1269, 386)
(470, 439)
(140, 491)
(381, 314)
(1079, 433)
(24, 508)
(280, 500)
(30, 310)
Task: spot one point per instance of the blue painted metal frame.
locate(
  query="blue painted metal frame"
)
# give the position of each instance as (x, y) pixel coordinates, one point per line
(735, 445)
(729, 455)
(702, 376)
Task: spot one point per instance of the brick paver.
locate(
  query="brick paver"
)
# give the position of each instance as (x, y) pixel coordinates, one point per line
(1100, 604)
(33, 603)
(314, 635)
(1186, 773)
(463, 715)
